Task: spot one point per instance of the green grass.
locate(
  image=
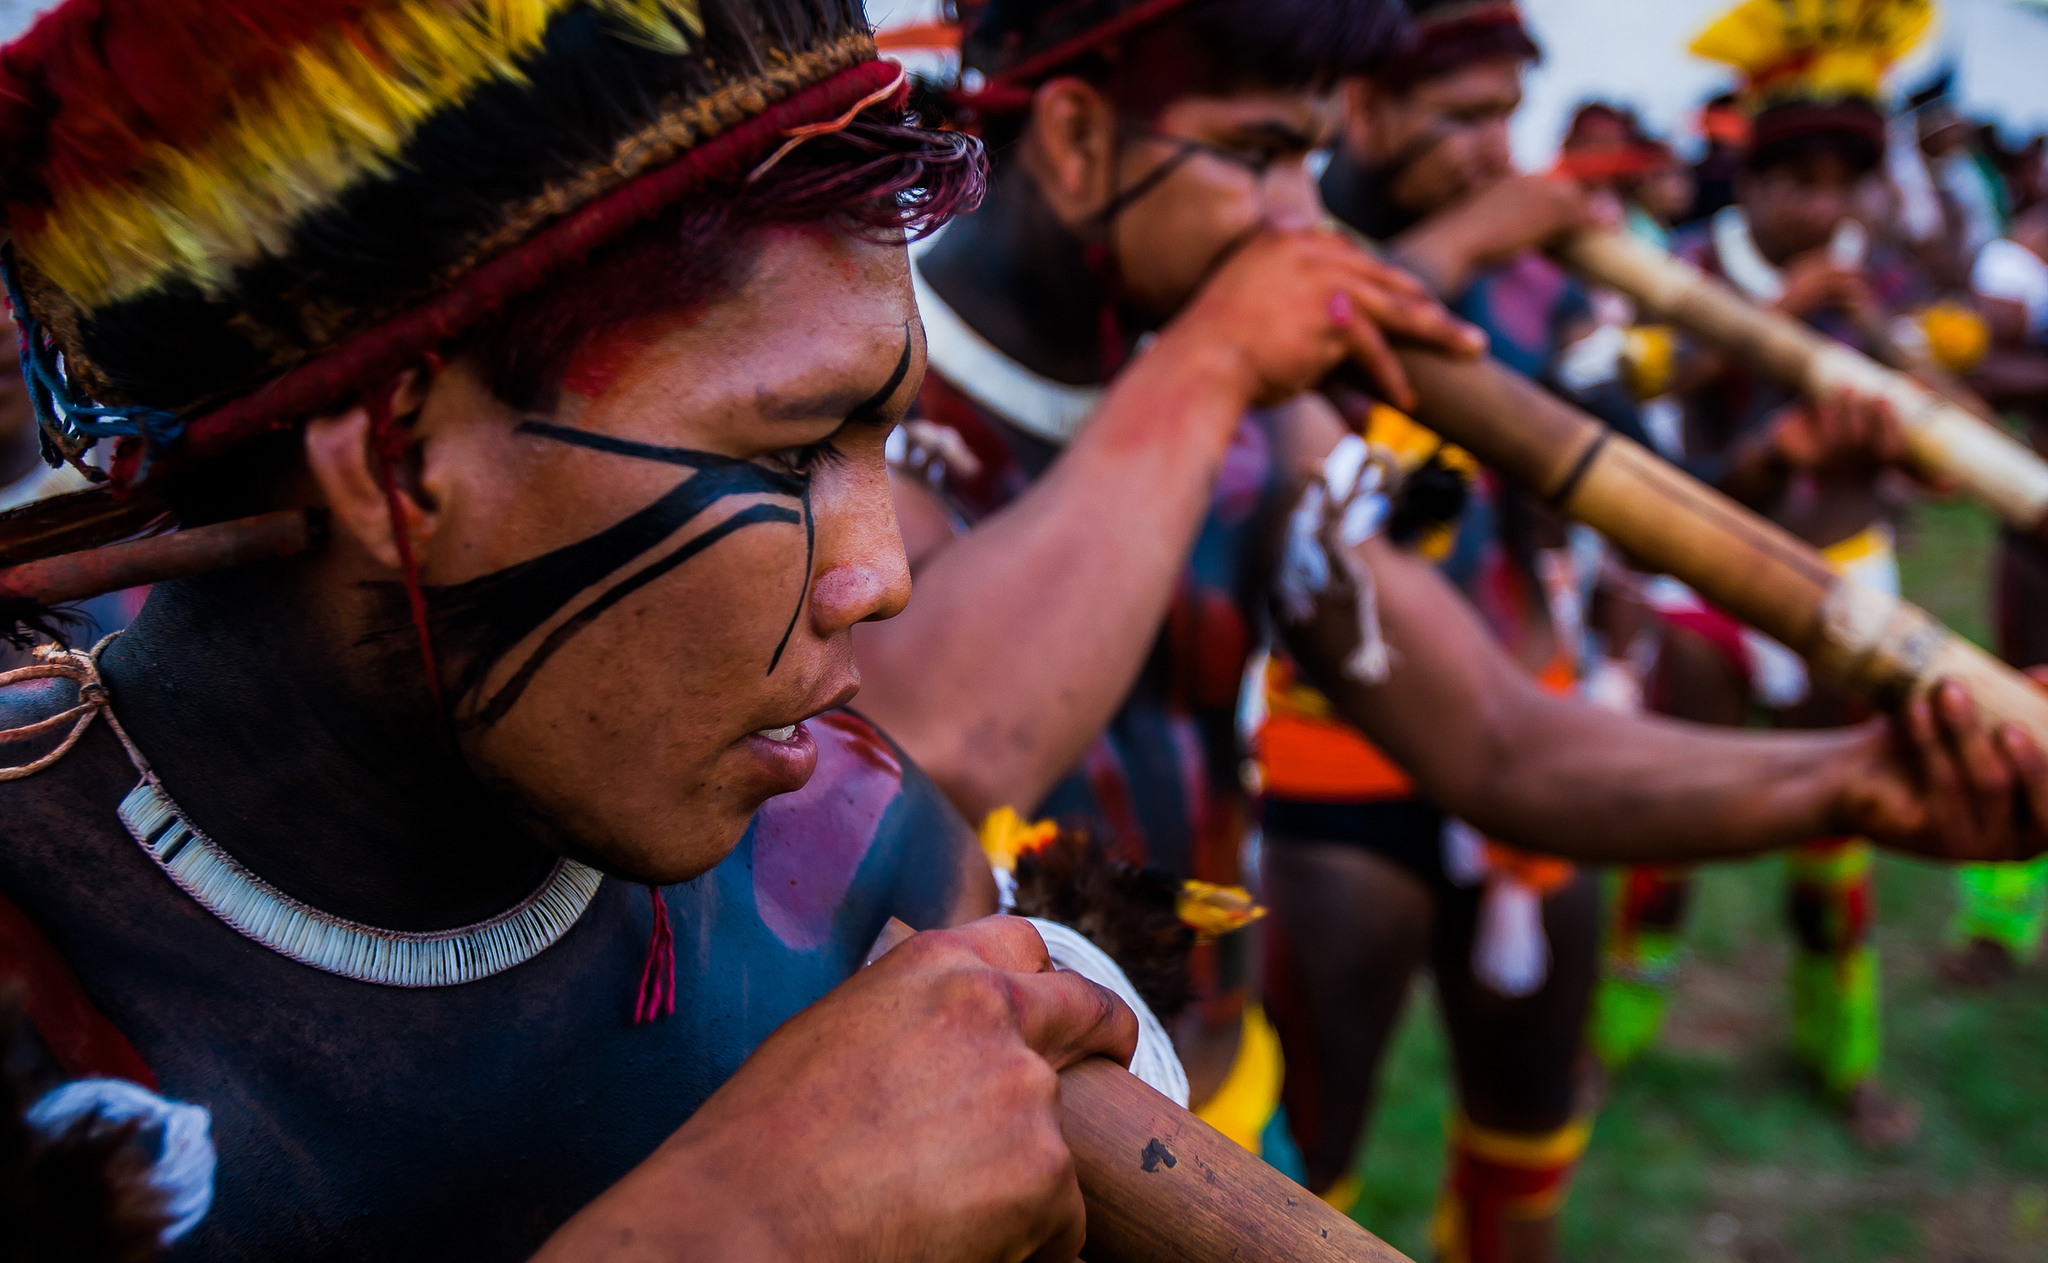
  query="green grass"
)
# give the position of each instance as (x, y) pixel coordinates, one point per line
(1713, 1149)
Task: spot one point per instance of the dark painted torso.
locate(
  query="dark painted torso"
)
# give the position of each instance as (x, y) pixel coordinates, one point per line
(1162, 784)
(362, 1122)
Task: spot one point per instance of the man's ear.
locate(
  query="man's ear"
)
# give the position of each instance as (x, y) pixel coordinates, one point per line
(341, 452)
(1071, 149)
(1361, 100)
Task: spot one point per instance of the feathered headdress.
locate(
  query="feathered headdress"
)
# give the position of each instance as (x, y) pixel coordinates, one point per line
(207, 198)
(224, 216)
(1814, 51)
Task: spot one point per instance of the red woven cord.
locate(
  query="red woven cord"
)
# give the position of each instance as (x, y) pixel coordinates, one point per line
(657, 998)
(392, 443)
(331, 380)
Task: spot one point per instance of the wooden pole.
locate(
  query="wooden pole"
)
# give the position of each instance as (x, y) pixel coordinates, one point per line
(1945, 439)
(1162, 1186)
(1878, 646)
(195, 550)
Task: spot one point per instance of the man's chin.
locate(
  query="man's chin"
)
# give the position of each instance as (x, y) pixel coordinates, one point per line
(679, 860)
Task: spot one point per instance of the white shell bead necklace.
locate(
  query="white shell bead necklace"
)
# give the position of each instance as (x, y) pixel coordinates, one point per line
(259, 911)
(392, 958)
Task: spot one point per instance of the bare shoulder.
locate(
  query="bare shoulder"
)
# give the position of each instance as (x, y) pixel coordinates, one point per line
(870, 832)
(45, 811)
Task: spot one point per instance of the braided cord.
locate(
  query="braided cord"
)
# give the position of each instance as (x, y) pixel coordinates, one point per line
(71, 425)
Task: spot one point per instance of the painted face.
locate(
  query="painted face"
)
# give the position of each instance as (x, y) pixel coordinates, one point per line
(1448, 135)
(666, 569)
(1209, 172)
(1795, 207)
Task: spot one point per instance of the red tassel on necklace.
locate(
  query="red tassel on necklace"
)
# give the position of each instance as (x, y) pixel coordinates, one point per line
(657, 997)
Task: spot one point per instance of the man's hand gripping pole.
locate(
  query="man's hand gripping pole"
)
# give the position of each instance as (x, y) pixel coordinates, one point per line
(1162, 1186)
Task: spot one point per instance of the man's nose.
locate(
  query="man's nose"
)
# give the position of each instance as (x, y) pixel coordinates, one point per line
(862, 573)
(1496, 150)
(1293, 200)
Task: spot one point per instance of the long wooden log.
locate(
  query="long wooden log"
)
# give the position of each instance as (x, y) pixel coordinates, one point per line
(1162, 1186)
(1944, 438)
(195, 550)
(1880, 647)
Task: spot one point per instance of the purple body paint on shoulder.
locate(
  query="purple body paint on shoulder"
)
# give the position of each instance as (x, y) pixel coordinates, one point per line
(809, 845)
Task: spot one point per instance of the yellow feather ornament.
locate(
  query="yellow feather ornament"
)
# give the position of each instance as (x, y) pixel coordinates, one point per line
(1823, 50)
(342, 112)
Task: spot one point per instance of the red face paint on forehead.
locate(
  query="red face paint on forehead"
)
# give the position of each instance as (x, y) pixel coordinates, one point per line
(599, 363)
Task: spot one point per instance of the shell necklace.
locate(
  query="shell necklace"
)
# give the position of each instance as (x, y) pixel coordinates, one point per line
(259, 911)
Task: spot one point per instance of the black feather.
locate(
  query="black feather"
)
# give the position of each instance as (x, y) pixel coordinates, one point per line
(1131, 913)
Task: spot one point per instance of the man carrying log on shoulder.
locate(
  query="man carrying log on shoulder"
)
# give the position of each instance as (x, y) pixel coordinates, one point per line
(1819, 468)
(1123, 337)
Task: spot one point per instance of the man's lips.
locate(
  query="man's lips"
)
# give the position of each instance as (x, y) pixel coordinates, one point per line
(787, 748)
(829, 696)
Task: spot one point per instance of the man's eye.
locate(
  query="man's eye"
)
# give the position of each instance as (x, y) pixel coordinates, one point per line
(807, 459)
(1264, 158)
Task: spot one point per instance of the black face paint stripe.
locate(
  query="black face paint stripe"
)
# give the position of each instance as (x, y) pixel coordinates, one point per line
(504, 698)
(485, 619)
(481, 622)
(803, 597)
(791, 484)
(873, 403)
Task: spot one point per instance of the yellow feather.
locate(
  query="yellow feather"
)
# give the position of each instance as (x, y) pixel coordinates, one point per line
(666, 26)
(341, 112)
(1846, 45)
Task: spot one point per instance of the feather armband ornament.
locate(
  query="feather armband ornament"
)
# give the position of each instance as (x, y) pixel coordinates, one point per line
(1344, 506)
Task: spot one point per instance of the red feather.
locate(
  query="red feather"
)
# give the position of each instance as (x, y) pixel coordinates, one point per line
(95, 82)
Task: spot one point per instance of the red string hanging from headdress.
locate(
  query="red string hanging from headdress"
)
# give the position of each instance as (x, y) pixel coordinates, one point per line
(391, 442)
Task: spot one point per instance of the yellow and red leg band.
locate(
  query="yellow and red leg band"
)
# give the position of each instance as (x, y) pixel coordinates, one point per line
(1498, 1176)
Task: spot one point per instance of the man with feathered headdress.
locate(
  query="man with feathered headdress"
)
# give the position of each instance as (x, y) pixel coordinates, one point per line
(517, 374)
(1813, 76)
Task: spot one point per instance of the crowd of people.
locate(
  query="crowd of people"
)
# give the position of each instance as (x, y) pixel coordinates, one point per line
(540, 538)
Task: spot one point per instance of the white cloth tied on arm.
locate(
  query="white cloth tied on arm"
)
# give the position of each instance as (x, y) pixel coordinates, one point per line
(1155, 1061)
(2008, 270)
(1340, 510)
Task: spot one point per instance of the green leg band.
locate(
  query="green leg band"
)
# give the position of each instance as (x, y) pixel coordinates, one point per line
(2006, 904)
(1626, 1018)
(1634, 991)
(1835, 1016)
